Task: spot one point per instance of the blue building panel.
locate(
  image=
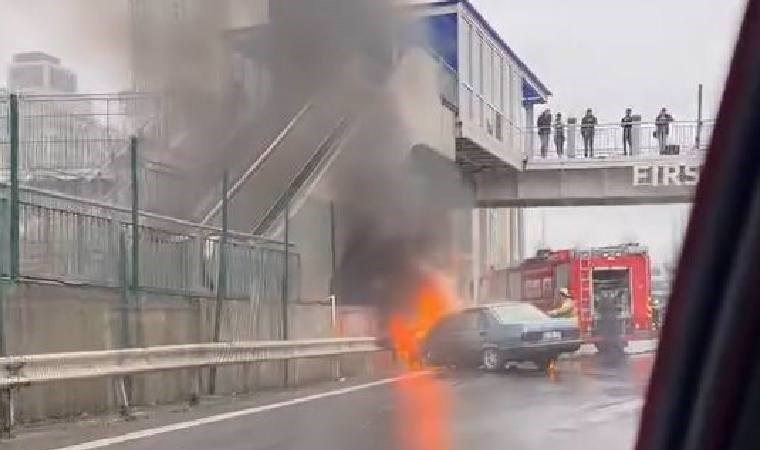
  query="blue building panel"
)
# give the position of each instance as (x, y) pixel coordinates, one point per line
(531, 94)
(443, 25)
(442, 33)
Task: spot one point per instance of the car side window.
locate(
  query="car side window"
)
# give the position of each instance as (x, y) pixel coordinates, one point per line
(483, 321)
(444, 327)
(470, 321)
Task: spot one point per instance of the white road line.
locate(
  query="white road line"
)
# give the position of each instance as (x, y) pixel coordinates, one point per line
(100, 443)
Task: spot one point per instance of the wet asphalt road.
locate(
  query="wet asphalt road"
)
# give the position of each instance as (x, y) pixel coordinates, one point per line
(586, 406)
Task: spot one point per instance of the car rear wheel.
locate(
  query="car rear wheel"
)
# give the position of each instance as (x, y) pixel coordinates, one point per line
(492, 360)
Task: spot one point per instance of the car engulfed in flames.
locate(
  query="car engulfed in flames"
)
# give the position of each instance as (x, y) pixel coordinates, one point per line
(407, 329)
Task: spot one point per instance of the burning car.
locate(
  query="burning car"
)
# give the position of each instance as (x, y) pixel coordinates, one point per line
(495, 334)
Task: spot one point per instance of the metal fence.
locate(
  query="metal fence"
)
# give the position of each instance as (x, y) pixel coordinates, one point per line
(73, 239)
(65, 239)
(189, 263)
(76, 135)
(608, 140)
(67, 245)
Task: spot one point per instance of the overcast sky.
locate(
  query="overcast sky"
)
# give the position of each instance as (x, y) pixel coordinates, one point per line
(90, 37)
(605, 54)
(608, 55)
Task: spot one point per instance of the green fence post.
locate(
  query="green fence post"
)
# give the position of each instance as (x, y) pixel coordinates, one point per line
(123, 386)
(285, 282)
(15, 258)
(135, 282)
(333, 250)
(126, 299)
(7, 399)
(221, 284)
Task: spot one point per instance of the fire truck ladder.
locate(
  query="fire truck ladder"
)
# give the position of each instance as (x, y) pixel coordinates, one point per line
(585, 294)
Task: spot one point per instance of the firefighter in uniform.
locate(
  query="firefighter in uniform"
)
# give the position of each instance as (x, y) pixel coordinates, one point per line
(610, 342)
(567, 308)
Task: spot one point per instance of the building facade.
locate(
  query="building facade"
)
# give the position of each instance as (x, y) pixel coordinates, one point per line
(495, 89)
(493, 96)
(40, 72)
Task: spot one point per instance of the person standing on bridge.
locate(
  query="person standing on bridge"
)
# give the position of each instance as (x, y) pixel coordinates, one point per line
(587, 132)
(559, 135)
(627, 124)
(662, 124)
(544, 124)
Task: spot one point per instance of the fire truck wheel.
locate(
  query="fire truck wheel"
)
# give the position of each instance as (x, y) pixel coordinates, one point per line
(492, 360)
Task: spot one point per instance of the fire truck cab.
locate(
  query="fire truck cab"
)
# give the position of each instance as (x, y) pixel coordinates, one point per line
(617, 274)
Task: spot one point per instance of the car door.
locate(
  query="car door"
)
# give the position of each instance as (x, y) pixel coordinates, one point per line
(472, 333)
(440, 339)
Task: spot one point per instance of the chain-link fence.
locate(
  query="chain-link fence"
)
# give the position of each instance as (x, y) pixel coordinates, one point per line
(62, 238)
(74, 239)
(76, 135)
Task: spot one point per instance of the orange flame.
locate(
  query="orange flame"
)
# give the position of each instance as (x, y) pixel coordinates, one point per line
(424, 402)
(432, 301)
(424, 421)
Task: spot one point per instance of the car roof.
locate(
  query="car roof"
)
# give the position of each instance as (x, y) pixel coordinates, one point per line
(494, 305)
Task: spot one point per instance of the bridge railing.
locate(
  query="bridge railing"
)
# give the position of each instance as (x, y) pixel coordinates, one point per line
(608, 140)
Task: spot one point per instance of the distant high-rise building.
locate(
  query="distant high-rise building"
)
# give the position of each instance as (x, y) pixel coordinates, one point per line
(40, 73)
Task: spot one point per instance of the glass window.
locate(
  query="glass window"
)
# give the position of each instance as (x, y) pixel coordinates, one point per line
(468, 53)
(469, 103)
(516, 95)
(548, 288)
(489, 120)
(480, 111)
(483, 322)
(498, 127)
(446, 325)
(468, 320)
(494, 77)
(532, 288)
(506, 80)
(518, 313)
(487, 73)
(500, 84)
(478, 65)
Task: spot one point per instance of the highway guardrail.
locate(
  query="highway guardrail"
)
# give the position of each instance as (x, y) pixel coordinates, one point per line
(26, 370)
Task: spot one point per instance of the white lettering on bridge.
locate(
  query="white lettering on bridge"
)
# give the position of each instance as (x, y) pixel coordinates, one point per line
(666, 175)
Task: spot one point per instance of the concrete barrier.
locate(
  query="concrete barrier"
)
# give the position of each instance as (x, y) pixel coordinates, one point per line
(43, 318)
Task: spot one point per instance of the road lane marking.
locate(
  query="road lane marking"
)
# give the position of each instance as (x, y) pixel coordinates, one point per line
(600, 414)
(106, 442)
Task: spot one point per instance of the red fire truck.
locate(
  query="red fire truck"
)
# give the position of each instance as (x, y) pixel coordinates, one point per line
(618, 274)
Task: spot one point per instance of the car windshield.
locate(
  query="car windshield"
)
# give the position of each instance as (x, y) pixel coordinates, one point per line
(518, 313)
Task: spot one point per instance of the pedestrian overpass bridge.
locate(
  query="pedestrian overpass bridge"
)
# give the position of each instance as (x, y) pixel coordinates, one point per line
(610, 177)
(488, 100)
